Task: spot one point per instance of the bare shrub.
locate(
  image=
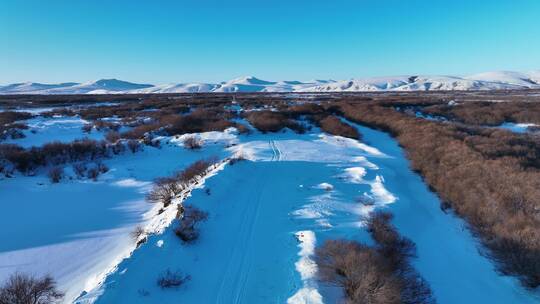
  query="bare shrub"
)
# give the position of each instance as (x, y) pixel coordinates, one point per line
(55, 174)
(137, 233)
(196, 169)
(24, 289)
(192, 143)
(92, 173)
(236, 159)
(170, 279)
(164, 190)
(134, 145)
(187, 231)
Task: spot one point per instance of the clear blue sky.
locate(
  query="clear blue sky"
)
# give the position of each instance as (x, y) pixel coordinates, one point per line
(202, 40)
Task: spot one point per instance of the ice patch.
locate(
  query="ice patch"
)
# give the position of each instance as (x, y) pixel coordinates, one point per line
(307, 269)
(159, 243)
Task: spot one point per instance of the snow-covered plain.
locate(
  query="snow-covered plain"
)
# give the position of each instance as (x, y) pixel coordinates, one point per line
(499, 80)
(266, 215)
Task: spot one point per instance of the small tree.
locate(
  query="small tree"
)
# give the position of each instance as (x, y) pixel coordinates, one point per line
(24, 289)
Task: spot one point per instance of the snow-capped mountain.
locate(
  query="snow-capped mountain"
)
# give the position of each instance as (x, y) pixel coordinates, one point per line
(501, 80)
(32, 87)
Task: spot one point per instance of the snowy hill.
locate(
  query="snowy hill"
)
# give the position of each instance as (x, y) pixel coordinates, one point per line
(32, 87)
(514, 78)
(500, 80)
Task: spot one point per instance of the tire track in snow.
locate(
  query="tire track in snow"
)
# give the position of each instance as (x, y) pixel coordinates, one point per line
(238, 269)
(276, 153)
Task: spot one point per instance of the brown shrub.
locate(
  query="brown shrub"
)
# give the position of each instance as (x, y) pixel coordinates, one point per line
(164, 190)
(167, 188)
(488, 113)
(139, 132)
(269, 121)
(379, 274)
(198, 121)
(334, 126)
(170, 279)
(194, 170)
(24, 289)
(360, 270)
(304, 109)
(188, 231)
(106, 125)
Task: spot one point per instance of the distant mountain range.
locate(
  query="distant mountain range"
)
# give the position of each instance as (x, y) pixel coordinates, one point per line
(502, 80)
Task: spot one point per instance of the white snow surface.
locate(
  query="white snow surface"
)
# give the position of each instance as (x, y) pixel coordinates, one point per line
(497, 80)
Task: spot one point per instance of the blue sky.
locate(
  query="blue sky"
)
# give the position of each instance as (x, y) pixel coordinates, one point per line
(188, 40)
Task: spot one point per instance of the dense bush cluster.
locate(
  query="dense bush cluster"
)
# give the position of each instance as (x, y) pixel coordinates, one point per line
(9, 127)
(488, 113)
(333, 125)
(379, 274)
(54, 153)
(317, 114)
(489, 177)
(24, 289)
(167, 188)
(270, 121)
